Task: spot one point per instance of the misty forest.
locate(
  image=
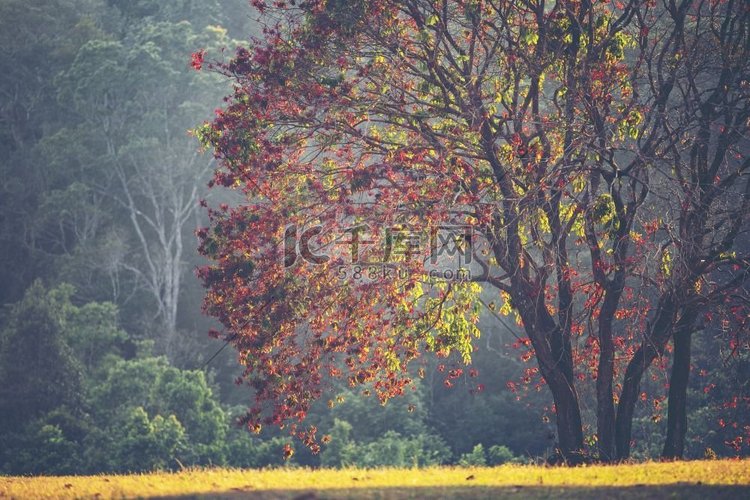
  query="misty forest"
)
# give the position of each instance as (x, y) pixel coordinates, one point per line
(371, 233)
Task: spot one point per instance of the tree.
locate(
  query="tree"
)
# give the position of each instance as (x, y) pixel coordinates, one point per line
(141, 127)
(93, 334)
(40, 39)
(38, 371)
(540, 134)
(140, 443)
(705, 191)
(153, 388)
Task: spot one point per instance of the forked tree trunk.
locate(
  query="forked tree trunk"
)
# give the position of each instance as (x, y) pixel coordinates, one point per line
(555, 361)
(653, 345)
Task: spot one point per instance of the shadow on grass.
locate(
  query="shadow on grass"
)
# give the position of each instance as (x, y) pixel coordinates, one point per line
(680, 491)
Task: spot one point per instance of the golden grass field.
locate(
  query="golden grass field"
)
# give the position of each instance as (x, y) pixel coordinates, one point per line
(698, 479)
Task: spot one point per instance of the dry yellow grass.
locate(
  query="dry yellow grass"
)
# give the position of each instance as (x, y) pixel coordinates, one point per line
(708, 479)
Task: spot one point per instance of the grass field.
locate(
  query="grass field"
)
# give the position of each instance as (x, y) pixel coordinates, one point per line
(700, 480)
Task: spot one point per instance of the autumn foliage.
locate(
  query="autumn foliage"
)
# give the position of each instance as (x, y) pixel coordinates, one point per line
(593, 155)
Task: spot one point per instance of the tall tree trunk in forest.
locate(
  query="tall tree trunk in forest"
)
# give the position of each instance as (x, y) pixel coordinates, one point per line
(605, 407)
(569, 428)
(554, 355)
(653, 345)
(674, 445)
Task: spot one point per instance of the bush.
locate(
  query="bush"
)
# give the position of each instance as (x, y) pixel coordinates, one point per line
(433, 450)
(41, 449)
(393, 450)
(144, 444)
(390, 450)
(498, 455)
(243, 450)
(163, 390)
(476, 458)
(340, 452)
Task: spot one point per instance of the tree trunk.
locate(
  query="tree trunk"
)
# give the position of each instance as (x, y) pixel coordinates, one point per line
(655, 340)
(674, 446)
(555, 361)
(605, 407)
(569, 428)
(556, 366)
(567, 415)
(631, 388)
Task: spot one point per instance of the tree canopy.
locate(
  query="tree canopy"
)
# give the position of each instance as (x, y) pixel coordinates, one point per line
(586, 160)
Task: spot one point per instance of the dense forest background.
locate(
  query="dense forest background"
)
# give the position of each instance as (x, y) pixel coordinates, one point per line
(105, 361)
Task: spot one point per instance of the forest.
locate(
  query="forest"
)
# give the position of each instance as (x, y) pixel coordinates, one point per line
(158, 159)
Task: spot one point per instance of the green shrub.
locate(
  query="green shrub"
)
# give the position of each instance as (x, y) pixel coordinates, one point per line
(341, 450)
(390, 450)
(498, 455)
(476, 458)
(244, 450)
(43, 449)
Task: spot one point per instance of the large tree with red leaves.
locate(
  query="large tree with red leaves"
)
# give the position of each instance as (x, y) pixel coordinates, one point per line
(585, 159)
